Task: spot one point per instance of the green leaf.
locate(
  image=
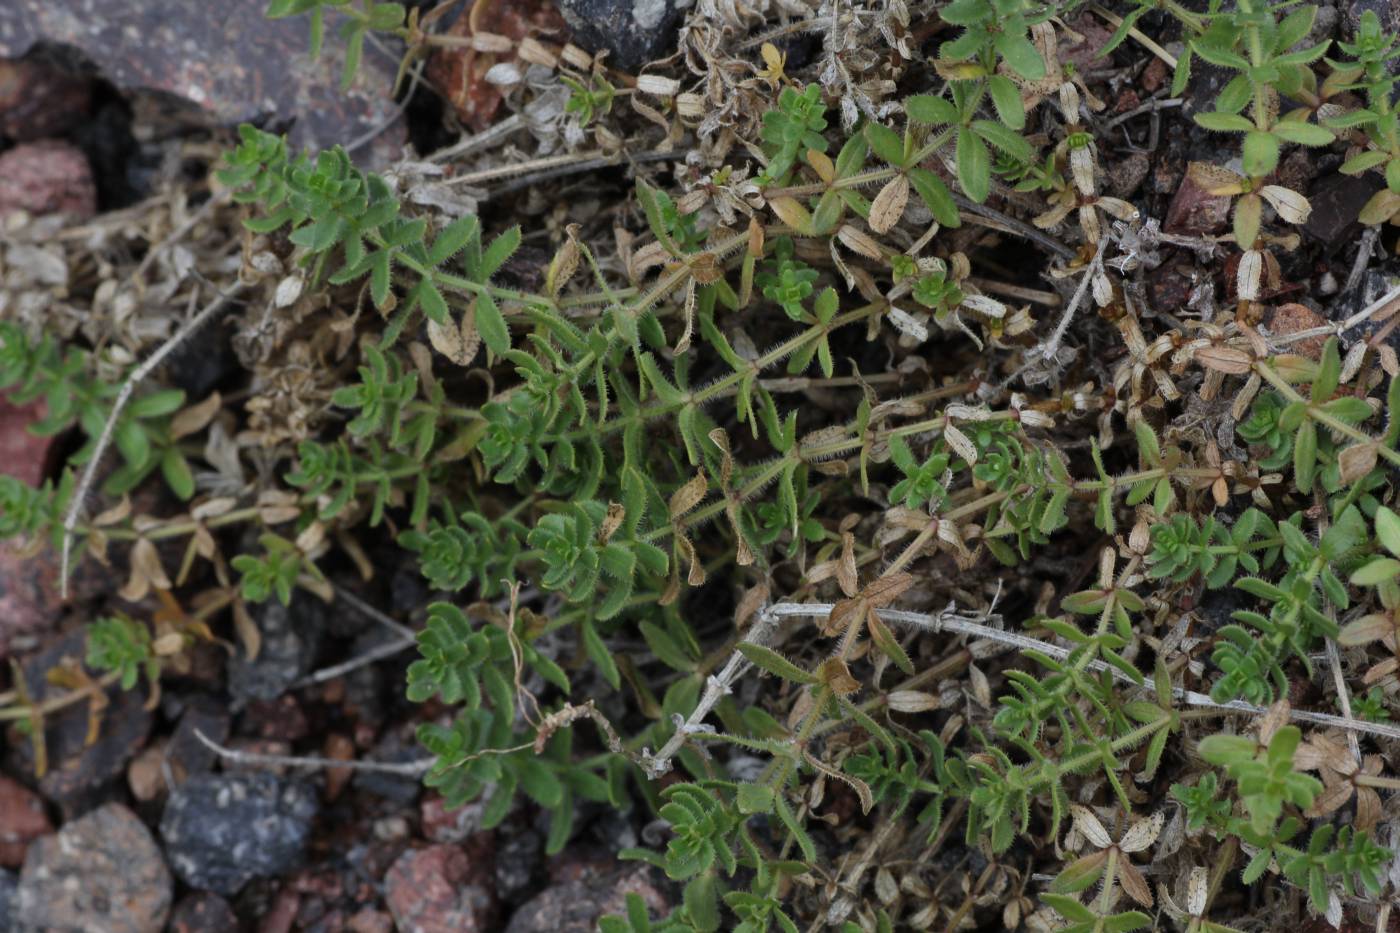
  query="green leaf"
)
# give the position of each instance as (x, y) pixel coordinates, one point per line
(1068, 907)
(1021, 54)
(539, 781)
(1376, 572)
(1260, 153)
(157, 403)
(1305, 455)
(1006, 98)
(701, 901)
(885, 143)
(1305, 134)
(755, 798)
(665, 647)
(804, 841)
(132, 442)
(491, 324)
(354, 49)
(1329, 373)
(1224, 122)
(974, 165)
(1388, 529)
(176, 470)
(499, 252)
(599, 654)
(1008, 141)
(774, 663)
(936, 196)
(1222, 750)
(453, 238)
(434, 305)
(925, 108)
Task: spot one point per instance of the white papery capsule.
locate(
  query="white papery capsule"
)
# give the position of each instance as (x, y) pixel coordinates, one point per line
(1250, 271)
(1292, 207)
(907, 324)
(983, 305)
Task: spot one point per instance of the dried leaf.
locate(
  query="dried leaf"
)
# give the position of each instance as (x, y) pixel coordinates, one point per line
(195, 418)
(1228, 360)
(888, 206)
(688, 496)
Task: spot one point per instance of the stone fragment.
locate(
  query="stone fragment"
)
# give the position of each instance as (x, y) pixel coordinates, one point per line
(47, 177)
(634, 32)
(232, 61)
(40, 96)
(575, 906)
(461, 74)
(22, 820)
(439, 890)
(203, 913)
(102, 871)
(223, 830)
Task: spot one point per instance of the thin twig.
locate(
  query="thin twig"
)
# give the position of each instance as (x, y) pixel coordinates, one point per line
(406, 768)
(951, 622)
(1152, 106)
(1012, 225)
(378, 653)
(524, 168)
(535, 178)
(1048, 350)
(179, 232)
(1140, 37)
(1363, 258)
(70, 520)
(383, 619)
(716, 687)
(1039, 296)
(1384, 304)
(475, 141)
(1334, 660)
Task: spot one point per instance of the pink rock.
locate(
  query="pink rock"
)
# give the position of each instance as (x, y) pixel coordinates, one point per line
(22, 455)
(22, 820)
(47, 177)
(434, 890)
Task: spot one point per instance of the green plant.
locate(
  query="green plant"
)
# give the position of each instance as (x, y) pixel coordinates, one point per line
(747, 405)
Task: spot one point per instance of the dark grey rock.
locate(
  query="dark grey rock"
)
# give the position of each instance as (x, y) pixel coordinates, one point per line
(397, 788)
(9, 901)
(633, 31)
(1336, 201)
(519, 860)
(232, 62)
(291, 636)
(100, 872)
(79, 773)
(223, 830)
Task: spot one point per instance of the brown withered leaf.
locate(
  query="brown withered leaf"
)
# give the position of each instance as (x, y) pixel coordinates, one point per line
(877, 594)
(1228, 360)
(846, 575)
(612, 521)
(247, 629)
(196, 417)
(458, 342)
(837, 676)
(749, 604)
(688, 496)
(1355, 461)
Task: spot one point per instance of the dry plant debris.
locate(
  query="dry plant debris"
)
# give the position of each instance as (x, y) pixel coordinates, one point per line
(913, 485)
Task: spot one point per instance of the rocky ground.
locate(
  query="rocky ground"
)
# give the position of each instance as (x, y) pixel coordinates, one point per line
(145, 829)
